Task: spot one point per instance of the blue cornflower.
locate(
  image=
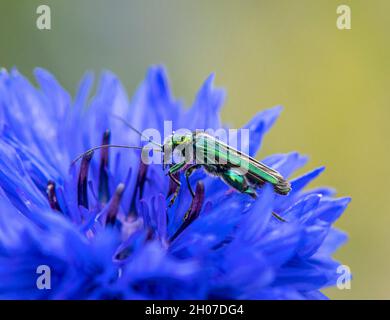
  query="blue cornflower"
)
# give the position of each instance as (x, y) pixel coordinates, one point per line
(103, 225)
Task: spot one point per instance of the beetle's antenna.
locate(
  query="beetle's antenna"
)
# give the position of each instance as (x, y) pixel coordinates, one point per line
(109, 146)
(136, 130)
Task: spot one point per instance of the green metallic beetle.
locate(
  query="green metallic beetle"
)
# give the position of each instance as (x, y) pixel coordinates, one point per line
(238, 170)
(201, 150)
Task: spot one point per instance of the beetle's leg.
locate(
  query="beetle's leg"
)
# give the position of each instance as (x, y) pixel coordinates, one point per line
(176, 167)
(172, 170)
(236, 180)
(174, 179)
(275, 215)
(188, 173)
(251, 191)
(177, 190)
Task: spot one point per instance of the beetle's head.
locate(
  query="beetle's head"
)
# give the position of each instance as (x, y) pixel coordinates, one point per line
(177, 139)
(173, 141)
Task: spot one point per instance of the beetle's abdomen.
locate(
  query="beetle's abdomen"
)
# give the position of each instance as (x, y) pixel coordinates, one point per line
(283, 187)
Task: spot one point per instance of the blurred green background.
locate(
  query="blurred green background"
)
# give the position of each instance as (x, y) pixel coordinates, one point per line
(334, 84)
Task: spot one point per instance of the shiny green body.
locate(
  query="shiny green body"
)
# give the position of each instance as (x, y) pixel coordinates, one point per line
(238, 170)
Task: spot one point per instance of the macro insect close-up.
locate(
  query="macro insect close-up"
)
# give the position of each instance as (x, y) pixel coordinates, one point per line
(183, 151)
(201, 150)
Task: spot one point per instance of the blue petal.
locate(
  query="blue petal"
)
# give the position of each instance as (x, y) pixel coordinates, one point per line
(256, 219)
(280, 243)
(313, 237)
(296, 186)
(58, 99)
(299, 183)
(332, 242)
(330, 210)
(258, 126)
(204, 114)
(302, 209)
(286, 164)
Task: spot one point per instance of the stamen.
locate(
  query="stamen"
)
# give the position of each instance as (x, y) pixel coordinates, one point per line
(141, 179)
(197, 202)
(51, 196)
(103, 167)
(82, 185)
(194, 211)
(114, 205)
(149, 234)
